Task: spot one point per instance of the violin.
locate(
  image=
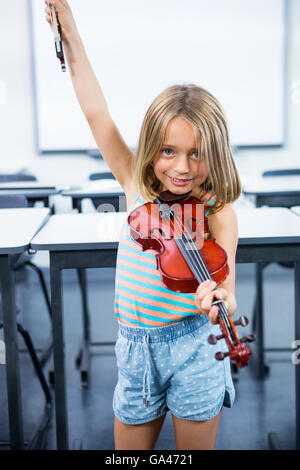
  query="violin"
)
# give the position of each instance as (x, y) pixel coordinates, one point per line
(174, 227)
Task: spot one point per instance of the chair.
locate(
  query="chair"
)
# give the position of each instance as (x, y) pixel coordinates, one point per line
(94, 153)
(19, 177)
(114, 201)
(20, 201)
(7, 202)
(10, 202)
(258, 303)
(102, 176)
(12, 178)
(15, 178)
(283, 172)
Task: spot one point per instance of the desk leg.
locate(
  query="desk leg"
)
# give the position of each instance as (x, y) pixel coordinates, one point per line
(58, 355)
(82, 359)
(260, 320)
(12, 354)
(297, 337)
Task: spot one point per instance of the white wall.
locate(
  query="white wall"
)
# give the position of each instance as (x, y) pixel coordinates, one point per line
(253, 162)
(17, 148)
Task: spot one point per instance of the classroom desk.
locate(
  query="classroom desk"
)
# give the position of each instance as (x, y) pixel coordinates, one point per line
(32, 190)
(18, 226)
(91, 241)
(107, 195)
(275, 191)
(105, 191)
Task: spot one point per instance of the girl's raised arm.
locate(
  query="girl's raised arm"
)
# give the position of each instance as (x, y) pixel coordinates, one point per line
(114, 150)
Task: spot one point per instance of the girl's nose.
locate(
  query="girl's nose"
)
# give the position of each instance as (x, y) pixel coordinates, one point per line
(182, 164)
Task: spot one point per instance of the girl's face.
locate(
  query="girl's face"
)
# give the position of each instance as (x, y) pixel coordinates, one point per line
(178, 166)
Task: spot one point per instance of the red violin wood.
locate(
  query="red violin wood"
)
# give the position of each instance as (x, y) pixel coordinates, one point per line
(153, 233)
(175, 228)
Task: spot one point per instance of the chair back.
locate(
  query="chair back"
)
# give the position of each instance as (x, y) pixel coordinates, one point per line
(13, 202)
(283, 172)
(102, 176)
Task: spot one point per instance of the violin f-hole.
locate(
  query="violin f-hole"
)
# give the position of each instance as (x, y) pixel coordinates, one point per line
(162, 233)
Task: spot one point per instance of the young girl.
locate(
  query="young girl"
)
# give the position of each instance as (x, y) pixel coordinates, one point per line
(164, 359)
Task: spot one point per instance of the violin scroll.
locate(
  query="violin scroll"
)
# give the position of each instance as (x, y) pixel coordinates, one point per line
(238, 353)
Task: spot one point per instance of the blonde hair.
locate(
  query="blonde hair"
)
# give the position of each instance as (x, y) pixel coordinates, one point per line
(201, 109)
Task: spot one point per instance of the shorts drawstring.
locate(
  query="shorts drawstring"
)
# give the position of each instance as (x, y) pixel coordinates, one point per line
(147, 373)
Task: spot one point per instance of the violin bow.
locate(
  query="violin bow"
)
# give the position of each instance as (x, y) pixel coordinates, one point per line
(57, 39)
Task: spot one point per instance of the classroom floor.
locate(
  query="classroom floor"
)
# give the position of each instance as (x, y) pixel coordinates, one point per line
(260, 406)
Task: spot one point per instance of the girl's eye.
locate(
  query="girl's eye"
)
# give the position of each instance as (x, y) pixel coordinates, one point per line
(167, 152)
(195, 155)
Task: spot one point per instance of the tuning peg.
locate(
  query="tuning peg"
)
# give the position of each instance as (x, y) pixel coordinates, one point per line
(212, 339)
(220, 355)
(243, 321)
(248, 339)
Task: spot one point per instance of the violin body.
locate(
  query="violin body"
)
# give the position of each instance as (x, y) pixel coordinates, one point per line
(153, 233)
(174, 228)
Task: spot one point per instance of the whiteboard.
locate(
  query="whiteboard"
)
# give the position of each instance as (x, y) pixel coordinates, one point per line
(234, 48)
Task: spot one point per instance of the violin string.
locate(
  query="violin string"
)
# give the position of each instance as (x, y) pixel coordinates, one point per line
(198, 262)
(223, 313)
(204, 273)
(193, 250)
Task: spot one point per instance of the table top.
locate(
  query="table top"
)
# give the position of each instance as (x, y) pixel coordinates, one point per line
(260, 226)
(29, 193)
(30, 189)
(272, 185)
(80, 231)
(268, 225)
(25, 185)
(98, 188)
(18, 227)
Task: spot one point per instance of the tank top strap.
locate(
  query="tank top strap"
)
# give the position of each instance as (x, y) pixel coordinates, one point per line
(208, 200)
(133, 201)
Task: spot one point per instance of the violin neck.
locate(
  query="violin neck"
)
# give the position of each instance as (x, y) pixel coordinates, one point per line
(195, 261)
(193, 257)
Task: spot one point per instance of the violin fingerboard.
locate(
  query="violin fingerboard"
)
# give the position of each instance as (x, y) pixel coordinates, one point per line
(194, 259)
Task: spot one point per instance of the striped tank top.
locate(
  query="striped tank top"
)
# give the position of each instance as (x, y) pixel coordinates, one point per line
(141, 299)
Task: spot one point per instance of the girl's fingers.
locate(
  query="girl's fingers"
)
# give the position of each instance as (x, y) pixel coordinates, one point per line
(204, 289)
(205, 295)
(221, 293)
(201, 296)
(207, 301)
(213, 315)
(205, 283)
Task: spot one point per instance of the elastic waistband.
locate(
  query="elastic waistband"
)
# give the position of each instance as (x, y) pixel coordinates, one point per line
(163, 333)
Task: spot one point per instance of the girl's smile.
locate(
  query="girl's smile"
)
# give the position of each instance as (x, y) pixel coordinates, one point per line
(180, 182)
(178, 166)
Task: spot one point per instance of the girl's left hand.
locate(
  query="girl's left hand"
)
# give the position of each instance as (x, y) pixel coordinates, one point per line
(205, 295)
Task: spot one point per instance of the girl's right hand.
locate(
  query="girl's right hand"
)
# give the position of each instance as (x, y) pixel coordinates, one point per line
(64, 14)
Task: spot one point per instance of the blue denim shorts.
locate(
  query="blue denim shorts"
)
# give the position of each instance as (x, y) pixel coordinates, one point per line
(171, 368)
